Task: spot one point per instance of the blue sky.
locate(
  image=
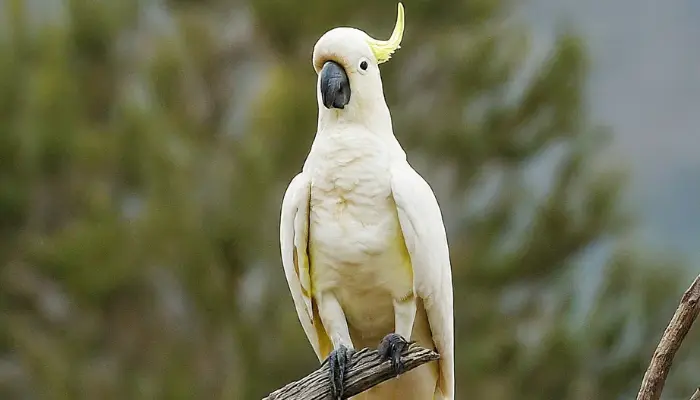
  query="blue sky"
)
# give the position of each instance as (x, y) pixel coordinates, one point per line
(645, 84)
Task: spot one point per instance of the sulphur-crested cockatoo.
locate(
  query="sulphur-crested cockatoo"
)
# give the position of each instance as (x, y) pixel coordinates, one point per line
(362, 237)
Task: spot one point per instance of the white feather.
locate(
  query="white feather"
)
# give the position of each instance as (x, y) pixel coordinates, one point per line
(294, 209)
(424, 232)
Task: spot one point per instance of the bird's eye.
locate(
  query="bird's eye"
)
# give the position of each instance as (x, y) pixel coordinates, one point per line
(363, 65)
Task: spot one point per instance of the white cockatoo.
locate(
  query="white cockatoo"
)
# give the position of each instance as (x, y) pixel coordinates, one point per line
(362, 237)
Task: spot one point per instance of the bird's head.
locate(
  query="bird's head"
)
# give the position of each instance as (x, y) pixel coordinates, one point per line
(347, 63)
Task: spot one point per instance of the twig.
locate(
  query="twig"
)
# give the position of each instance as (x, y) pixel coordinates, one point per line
(677, 329)
(696, 395)
(365, 370)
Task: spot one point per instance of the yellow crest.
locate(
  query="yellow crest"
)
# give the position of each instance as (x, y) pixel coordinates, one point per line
(383, 49)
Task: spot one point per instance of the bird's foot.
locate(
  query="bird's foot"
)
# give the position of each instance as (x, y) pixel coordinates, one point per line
(390, 348)
(338, 360)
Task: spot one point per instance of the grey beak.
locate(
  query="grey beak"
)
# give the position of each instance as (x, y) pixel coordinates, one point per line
(334, 86)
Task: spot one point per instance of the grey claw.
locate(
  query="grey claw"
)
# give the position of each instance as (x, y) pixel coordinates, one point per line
(390, 348)
(338, 360)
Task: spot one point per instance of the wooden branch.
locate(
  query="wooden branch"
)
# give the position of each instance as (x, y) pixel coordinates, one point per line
(696, 395)
(677, 329)
(365, 370)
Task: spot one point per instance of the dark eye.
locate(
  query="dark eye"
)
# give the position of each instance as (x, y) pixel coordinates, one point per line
(363, 65)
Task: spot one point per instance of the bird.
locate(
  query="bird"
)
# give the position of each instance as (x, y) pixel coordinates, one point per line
(362, 237)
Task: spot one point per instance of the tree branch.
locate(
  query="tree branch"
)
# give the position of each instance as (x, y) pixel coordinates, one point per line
(696, 395)
(365, 370)
(677, 329)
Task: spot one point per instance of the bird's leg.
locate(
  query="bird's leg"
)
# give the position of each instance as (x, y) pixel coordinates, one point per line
(393, 344)
(335, 325)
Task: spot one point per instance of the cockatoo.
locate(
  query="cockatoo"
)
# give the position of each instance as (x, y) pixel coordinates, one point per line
(362, 237)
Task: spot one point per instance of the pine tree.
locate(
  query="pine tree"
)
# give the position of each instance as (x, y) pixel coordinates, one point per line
(122, 245)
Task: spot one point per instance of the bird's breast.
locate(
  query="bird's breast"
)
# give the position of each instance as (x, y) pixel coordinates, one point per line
(352, 212)
(356, 245)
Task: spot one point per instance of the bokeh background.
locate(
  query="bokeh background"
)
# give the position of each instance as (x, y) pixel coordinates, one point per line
(145, 147)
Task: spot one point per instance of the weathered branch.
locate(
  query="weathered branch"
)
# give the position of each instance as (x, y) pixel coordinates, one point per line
(696, 395)
(677, 329)
(365, 370)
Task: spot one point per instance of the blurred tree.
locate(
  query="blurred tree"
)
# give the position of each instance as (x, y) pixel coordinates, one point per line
(122, 242)
(142, 167)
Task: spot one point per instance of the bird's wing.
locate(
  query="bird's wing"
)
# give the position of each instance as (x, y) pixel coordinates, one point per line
(294, 234)
(424, 233)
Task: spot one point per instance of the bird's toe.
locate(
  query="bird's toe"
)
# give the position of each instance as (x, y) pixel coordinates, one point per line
(338, 360)
(390, 348)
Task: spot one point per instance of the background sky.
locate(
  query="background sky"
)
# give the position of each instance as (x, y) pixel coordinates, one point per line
(645, 84)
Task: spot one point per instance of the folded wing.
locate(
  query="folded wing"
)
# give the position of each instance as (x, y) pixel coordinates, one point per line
(294, 234)
(424, 232)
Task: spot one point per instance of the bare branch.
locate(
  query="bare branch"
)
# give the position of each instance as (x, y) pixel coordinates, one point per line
(696, 395)
(365, 370)
(677, 329)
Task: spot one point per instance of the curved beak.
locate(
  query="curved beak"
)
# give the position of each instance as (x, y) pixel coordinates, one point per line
(334, 86)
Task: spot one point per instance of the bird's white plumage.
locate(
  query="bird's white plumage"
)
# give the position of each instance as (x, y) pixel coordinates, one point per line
(423, 231)
(421, 226)
(363, 242)
(426, 240)
(293, 244)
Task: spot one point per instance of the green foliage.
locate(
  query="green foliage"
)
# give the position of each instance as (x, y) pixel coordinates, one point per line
(142, 176)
